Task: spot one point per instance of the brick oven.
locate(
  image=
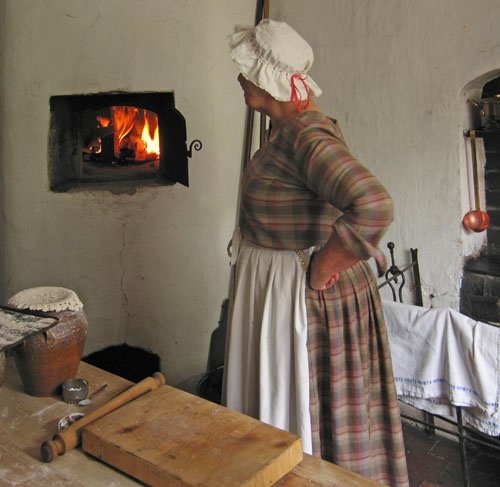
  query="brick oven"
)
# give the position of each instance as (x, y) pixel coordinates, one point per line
(480, 289)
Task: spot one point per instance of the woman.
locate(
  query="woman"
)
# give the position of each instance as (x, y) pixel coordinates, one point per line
(306, 348)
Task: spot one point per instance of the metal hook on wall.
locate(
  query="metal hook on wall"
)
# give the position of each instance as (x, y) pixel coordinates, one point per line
(196, 145)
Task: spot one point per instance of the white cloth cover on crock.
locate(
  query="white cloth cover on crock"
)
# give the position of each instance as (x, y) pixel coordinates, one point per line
(442, 358)
(46, 298)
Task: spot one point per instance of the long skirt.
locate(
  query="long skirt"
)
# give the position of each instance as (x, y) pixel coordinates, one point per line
(315, 363)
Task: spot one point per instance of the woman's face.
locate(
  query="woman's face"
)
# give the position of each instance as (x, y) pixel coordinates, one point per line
(255, 97)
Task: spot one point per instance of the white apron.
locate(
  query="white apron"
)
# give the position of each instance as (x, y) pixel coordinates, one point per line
(266, 366)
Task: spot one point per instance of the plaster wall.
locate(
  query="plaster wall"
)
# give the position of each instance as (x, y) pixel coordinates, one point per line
(397, 74)
(150, 267)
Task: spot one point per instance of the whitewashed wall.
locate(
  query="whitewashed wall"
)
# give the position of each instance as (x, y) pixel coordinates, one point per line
(396, 74)
(151, 267)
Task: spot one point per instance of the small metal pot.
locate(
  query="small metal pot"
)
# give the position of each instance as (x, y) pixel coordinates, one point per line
(489, 110)
(75, 390)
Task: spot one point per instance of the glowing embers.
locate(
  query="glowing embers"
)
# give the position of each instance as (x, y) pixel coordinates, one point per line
(118, 136)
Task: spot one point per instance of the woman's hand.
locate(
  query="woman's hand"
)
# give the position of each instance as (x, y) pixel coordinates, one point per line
(326, 264)
(319, 276)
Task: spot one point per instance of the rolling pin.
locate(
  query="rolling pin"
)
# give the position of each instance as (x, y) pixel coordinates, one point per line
(70, 437)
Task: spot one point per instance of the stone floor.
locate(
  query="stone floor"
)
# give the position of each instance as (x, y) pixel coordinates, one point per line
(435, 462)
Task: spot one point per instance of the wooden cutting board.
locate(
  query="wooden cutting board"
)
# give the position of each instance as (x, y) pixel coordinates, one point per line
(170, 437)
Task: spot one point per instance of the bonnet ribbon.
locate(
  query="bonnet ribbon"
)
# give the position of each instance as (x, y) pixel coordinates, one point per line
(296, 96)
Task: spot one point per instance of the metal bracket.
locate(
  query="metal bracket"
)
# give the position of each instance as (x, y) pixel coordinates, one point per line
(196, 145)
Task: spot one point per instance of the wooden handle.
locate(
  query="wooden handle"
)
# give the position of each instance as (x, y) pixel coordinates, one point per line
(70, 437)
(474, 168)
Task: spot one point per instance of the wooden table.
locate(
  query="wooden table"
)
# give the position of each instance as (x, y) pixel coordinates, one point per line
(26, 421)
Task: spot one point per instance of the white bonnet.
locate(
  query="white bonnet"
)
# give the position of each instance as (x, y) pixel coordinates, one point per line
(270, 54)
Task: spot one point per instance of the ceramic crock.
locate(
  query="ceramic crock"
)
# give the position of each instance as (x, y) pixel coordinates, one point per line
(47, 359)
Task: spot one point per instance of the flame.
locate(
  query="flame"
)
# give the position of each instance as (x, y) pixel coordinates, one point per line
(135, 132)
(152, 145)
(103, 121)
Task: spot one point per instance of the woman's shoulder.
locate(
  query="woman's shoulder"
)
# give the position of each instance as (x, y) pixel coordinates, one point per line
(310, 122)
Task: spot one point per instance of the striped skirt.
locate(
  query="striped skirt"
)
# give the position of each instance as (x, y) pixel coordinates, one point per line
(354, 409)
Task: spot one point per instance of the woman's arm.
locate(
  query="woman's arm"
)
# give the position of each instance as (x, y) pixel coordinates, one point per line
(331, 171)
(326, 264)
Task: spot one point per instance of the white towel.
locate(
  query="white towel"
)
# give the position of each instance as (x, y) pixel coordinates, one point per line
(442, 358)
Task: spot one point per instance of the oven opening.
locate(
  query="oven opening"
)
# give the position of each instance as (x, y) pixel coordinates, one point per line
(120, 139)
(116, 140)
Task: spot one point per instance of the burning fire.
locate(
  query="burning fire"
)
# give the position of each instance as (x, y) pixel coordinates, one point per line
(123, 135)
(103, 121)
(152, 144)
(136, 133)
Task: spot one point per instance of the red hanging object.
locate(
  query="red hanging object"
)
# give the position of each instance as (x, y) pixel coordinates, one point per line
(476, 220)
(296, 96)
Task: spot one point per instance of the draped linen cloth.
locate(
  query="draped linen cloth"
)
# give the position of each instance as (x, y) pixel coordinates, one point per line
(444, 359)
